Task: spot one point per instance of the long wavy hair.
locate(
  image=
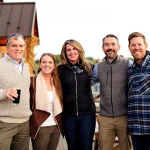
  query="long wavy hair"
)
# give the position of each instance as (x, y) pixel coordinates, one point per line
(81, 60)
(55, 75)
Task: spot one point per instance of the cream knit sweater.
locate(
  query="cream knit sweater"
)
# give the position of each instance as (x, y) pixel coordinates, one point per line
(10, 77)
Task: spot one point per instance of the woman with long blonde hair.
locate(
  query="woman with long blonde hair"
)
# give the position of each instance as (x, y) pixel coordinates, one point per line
(78, 104)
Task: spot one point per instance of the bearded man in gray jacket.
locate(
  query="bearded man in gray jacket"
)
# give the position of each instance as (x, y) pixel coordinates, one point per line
(112, 74)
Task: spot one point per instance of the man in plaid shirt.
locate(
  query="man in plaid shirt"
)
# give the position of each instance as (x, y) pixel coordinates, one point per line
(139, 92)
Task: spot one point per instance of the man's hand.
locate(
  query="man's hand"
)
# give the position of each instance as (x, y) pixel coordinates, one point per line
(11, 94)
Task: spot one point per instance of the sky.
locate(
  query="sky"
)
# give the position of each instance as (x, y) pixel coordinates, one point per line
(88, 21)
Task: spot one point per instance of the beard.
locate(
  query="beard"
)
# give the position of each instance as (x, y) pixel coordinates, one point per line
(112, 55)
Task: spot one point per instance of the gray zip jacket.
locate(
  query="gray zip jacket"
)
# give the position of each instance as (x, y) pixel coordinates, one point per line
(113, 78)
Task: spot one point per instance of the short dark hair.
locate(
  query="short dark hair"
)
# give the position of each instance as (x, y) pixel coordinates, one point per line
(110, 35)
(136, 34)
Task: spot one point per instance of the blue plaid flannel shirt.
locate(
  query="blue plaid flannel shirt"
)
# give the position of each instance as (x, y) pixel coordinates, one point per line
(139, 98)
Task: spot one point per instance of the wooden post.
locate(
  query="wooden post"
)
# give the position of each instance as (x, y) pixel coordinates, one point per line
(29, 55)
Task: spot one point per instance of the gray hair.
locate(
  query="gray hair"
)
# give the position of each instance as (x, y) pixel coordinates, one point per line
(15, 36)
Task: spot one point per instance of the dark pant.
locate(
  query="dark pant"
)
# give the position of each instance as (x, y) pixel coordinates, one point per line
(14, 136)
(47, 138)
(79, 131)
(141, 142)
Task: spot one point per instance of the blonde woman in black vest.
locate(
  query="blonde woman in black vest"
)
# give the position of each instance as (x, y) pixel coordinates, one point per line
(78, 103)
(46, 104)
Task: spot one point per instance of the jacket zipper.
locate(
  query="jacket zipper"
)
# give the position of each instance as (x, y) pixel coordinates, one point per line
(76, 92)
(76, 89)
(111, 91)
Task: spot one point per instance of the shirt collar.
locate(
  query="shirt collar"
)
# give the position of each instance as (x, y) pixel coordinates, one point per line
(116, 58)
(14, 61)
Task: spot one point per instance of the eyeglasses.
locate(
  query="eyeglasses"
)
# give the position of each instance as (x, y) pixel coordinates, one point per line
(14, 35)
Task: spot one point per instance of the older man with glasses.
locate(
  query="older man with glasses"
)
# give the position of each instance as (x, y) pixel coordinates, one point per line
(14, 74)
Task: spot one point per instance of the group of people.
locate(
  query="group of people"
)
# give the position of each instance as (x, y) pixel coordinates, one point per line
(59, 100)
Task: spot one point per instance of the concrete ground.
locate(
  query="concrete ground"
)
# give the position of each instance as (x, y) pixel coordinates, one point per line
(62, 144)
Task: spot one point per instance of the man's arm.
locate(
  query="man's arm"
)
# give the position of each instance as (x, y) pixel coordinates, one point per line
(94, 78)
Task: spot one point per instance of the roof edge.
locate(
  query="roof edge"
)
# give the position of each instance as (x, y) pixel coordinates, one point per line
(3, 3)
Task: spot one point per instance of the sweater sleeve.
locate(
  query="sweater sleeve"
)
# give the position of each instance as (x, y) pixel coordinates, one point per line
(2, 94)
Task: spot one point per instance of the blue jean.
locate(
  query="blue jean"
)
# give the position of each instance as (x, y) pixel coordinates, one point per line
(79, 130)
(141, 142)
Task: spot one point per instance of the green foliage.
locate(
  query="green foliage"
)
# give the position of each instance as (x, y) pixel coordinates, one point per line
(91, 59)
(37, 61)
(36, 65)
(131, 58)
(57, 57)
